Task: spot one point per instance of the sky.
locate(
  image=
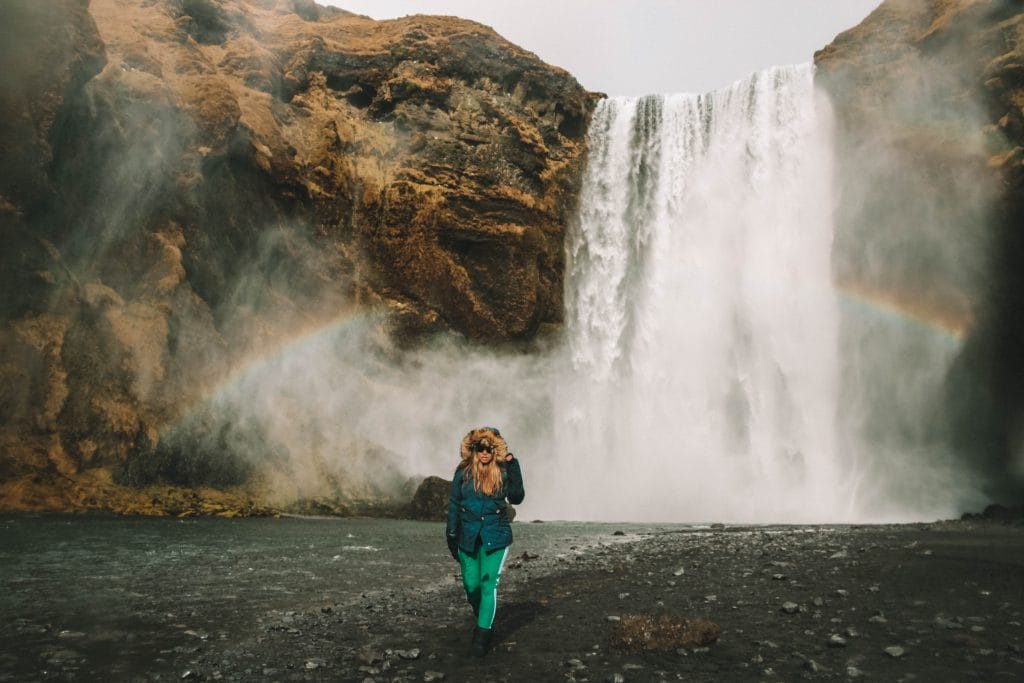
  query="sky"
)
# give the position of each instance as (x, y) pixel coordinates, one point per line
(640, 47)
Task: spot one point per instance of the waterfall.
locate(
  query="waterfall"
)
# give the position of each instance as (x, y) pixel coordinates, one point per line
(701, 319)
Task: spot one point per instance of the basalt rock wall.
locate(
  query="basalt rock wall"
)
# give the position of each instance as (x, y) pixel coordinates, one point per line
(929, 102)
(185, 182)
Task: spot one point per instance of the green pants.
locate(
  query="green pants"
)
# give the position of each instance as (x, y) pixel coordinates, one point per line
(480, 576)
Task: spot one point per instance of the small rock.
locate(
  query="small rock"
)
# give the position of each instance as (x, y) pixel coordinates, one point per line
(943, 622)
(189, 674)
(790, 607)
(616, 678)
(623, 596)
(895, 651)
(836, 640)
(851, 632)
(853, 672)
(613, 617)
(619, 533)
(813, 666)
(778, 577)
(409, 654)
(575, 664)
(430, 676)
(710, 598)
(841, 555)
(878, 618)
(842, 592)
(818, 602)
(679, 572)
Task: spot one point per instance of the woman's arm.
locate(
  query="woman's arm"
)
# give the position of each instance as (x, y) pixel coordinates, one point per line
(454, 503)
(514, 484)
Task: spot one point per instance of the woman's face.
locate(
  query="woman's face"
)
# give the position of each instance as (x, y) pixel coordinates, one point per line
(484, 454)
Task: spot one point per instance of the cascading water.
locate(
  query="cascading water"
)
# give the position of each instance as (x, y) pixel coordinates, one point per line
(708, 372)
(701, 319)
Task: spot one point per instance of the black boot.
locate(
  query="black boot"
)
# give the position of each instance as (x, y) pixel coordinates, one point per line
(481, 642)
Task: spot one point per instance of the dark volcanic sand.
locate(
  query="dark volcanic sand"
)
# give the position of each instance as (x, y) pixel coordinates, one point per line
(950, 596)
(278, 600)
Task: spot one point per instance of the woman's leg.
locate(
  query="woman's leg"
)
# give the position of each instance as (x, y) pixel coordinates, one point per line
(471, 572)
(490, 572)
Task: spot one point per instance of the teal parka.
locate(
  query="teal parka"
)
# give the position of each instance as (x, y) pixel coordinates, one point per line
(478, 520)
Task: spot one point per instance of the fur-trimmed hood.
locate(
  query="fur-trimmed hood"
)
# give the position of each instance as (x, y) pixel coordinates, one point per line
(488, 435)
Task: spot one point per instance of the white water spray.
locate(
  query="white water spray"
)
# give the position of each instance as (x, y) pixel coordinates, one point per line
(701, 318)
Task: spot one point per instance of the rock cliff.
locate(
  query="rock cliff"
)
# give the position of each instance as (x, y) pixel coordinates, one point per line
(929, 98)
(187, 181)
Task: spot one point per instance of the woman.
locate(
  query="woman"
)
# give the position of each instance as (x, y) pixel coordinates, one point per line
(478, 531)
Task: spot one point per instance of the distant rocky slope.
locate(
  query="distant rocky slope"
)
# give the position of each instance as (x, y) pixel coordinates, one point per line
(187, 181)
(929, 97)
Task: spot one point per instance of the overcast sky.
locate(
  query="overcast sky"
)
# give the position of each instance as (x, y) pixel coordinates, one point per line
(639, 47)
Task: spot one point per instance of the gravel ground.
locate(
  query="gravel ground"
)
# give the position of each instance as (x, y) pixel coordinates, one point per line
(929, 602)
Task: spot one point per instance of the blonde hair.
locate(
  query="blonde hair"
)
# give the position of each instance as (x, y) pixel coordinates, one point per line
(486, 479)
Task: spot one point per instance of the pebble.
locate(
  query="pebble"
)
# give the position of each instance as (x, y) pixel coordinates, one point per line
(575, 664)
(679, 572)
(430, 676)
(836, 640)
(616, 678)
(409, 654)
(853, 672)
(623, 596)
(895, 651)
(813, 666)
(878, 618)
(943, 622)
(790, 607)
(613, 617)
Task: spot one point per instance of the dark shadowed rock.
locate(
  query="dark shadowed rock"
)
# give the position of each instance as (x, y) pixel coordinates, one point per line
(430, 502)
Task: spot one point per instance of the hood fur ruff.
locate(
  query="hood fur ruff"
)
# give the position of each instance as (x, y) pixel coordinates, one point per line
(487, 435)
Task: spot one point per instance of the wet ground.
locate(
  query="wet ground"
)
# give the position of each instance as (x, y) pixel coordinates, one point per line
(352, 600)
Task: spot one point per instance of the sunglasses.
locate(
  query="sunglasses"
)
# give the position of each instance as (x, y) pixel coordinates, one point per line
(482, 448)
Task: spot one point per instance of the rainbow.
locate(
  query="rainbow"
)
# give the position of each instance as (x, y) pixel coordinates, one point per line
(950, 317)
(256, 362)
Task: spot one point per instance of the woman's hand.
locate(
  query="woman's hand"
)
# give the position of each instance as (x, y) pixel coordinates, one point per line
(453, 547)
(508, 457)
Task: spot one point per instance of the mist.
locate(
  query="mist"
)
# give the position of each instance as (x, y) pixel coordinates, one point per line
(716, 363)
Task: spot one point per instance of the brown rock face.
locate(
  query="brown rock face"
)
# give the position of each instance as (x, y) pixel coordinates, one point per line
(929, 97)
(188, 181)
